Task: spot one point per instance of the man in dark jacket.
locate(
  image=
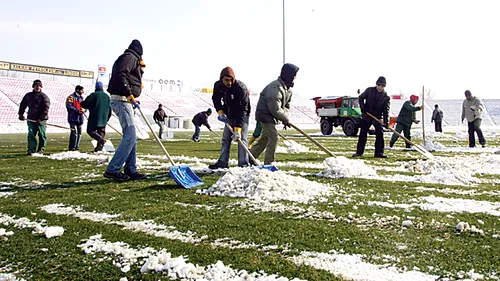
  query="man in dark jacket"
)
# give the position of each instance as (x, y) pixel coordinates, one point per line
(272, 108)
(232, 103)
(373, 100)
(125, 86)
(437, 118)
(100, 112)
(407, 116)
(159, 118)
(75, 117)
(38, 105)
(199, 119)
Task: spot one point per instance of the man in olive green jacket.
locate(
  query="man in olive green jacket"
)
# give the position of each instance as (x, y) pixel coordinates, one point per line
(272, 108)
(406, 117)
(472, 110)
(100, 112)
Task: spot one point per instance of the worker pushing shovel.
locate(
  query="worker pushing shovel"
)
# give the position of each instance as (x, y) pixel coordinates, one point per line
(419, 148)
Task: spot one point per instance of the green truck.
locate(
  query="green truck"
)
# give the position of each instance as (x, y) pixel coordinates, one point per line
(339, 111)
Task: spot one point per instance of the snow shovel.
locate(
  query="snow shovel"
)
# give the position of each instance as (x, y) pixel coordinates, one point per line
(313, 140)
(419, 148)
(215, 133)
(287, 142)
(48, 124)
(108, 145)
(182, 175)
(271, 168)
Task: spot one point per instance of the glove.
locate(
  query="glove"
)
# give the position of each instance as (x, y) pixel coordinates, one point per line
(363, 111)
(22, 118)
(236, 133)
(131, 99)
(222, 116)
(432, 121)
(81, 111)
(420, 107)
(286, 124)
(250, 141)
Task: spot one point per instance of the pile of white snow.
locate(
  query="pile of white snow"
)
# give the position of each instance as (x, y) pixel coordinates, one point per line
(342, 167)
(352, 267)
(176, 268)
(38, 228)
(292, 147)
(261, 184)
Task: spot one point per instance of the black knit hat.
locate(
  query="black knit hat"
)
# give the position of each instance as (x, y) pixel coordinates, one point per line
(381, 81)
(37, 82)
(136, 46)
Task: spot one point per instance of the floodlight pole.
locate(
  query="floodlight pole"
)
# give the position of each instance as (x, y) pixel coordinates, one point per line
(423, 115)
(283, 31)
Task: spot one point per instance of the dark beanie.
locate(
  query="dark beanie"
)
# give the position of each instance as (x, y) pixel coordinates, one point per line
(37, 82)
(136, 46)
(209, 110)
(288, 72)
(98, 86)
(381, 81)
(468, 93)
(227, 71)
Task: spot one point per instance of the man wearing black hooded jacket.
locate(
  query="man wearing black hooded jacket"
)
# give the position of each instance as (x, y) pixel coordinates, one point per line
(272, 108)
(125, 86)
(373, 100)
(232, 103)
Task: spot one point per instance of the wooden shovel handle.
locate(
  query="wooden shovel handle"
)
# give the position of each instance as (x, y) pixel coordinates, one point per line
(312, 140)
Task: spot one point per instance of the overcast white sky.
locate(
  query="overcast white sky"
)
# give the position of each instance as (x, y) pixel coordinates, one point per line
(340, 46)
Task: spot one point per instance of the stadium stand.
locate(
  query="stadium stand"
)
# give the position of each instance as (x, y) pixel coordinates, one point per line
(184, 105)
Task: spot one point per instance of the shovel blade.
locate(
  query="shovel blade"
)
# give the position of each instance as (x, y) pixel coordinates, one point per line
(271, 168)
(424, 151)
(184, 176)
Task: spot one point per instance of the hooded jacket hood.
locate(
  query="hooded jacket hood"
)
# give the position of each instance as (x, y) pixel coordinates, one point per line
(288, 73)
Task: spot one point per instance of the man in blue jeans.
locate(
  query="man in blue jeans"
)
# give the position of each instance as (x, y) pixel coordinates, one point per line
(125, 86)
(232, 103)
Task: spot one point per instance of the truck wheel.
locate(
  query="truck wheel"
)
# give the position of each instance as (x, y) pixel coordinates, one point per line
(326, 127)
(350, 128)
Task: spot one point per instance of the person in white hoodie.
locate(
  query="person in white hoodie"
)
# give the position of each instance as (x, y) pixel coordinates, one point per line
(472, 110)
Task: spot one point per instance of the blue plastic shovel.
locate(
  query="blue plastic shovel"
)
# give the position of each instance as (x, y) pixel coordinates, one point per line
(182, 175)
(271, 168)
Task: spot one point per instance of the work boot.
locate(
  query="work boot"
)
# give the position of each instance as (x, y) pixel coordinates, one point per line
(217, 166)
(136, 176)
(356, 155)
(100, 145)
(117, 176)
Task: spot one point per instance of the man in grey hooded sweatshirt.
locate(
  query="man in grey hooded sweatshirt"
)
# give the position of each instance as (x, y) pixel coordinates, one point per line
(472, 110)
(272, 108)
